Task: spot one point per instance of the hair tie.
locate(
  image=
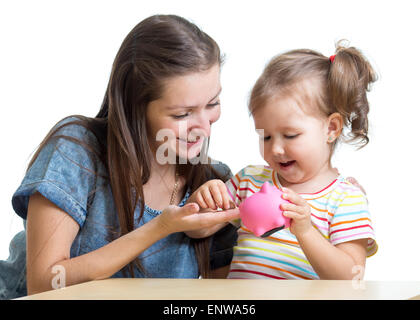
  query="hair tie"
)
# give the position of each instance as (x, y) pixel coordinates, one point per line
(332, 58)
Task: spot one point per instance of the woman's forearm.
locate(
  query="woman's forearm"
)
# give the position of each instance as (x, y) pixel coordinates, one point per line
(51, 232)
(103, 262)
(328, 261)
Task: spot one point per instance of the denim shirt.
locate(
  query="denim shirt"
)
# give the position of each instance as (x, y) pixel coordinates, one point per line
(64, 173)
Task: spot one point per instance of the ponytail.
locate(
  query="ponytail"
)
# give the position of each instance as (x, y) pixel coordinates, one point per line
(349, 79)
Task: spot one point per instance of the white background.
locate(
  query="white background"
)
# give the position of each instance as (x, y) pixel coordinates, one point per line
(56, 57)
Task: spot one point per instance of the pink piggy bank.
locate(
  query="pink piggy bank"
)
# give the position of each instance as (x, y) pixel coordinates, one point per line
(261, 212)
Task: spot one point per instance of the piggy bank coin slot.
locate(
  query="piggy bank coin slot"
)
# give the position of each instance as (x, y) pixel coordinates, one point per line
(270, 232)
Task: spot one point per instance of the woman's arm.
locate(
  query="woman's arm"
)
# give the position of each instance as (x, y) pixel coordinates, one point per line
(51, 232)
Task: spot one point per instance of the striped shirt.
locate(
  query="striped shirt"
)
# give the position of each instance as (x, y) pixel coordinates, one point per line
(339, 212)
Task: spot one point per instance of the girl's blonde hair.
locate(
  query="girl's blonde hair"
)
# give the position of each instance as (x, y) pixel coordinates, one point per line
(342, 83)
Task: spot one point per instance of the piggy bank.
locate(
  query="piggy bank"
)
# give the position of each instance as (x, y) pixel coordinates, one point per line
(261, 212)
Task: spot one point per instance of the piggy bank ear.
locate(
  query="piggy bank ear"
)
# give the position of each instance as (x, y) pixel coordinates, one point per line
(265, 187)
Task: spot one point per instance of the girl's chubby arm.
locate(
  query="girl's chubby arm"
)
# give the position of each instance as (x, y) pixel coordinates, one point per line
(210, 196)
(344, 261)
(51, 232)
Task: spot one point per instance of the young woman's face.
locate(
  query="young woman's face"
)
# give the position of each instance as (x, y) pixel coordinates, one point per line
(180, 121)
(295, 142)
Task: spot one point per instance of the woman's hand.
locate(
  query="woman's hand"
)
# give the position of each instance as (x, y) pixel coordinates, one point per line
(298, 211)
(189, 218)
(354, 182)
(210, 196)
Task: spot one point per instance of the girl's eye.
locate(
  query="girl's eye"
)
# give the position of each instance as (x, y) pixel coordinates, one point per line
(291, 136)
(213, 104)
(266, 138)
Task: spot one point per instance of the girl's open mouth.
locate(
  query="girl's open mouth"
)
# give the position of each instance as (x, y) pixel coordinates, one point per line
(287, 164)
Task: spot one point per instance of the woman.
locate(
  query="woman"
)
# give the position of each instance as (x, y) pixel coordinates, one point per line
(106, 196)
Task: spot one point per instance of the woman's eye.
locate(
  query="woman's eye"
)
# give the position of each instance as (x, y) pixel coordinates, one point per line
(266, 138)
(292, 136)
(180, 116)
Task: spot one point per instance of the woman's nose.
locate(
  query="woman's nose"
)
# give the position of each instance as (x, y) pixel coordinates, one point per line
(201, 123)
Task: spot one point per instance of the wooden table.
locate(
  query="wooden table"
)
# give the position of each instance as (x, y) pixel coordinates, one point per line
(234, 289)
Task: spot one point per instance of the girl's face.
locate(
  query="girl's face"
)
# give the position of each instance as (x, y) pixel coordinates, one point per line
(295, 142)
(180, 121)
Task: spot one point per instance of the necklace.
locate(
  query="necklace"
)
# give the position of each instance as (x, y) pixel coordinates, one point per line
(175, 190)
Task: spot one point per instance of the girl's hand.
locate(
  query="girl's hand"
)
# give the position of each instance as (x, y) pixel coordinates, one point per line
(212, 195)
(298, 211)
(187, 218)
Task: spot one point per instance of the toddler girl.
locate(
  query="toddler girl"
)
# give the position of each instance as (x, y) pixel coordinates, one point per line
(301, 104)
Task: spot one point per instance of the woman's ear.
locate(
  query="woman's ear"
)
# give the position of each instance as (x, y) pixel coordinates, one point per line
(335, 126)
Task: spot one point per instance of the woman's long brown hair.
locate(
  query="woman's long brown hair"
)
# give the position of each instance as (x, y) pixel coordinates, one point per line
(158, 48)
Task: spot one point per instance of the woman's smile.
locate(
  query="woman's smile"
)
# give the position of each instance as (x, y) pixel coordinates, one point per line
(190, 142)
